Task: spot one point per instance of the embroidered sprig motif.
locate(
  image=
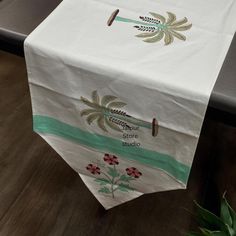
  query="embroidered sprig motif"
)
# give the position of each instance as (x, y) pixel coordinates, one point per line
(157, 27)
(106, 111)
(111, 179)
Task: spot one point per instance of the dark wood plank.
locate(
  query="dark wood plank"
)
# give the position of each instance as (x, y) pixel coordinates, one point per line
(41, 195)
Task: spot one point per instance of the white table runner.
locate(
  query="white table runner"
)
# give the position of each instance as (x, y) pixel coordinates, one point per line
(120, 88)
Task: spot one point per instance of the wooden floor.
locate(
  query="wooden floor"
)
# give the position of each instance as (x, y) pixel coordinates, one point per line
(41, 195)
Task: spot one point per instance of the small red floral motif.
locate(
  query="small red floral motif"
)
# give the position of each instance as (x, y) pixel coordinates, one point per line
(134, 172)
(111, 159)
(93, 169)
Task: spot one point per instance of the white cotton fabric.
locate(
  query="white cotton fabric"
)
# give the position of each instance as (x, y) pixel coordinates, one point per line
(73, 52)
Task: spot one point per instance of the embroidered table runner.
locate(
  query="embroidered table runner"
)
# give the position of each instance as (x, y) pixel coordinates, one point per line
(120, 88)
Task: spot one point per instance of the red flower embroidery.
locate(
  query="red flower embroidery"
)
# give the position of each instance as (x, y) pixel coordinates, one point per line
(111, 159)
(134, 172)
(93, 169)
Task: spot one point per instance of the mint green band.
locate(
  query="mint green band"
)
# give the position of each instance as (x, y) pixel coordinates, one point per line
(122, 19)
(157, 26)
(48, 125)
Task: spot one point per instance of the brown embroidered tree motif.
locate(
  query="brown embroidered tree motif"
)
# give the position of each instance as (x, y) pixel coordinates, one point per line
(106, 112)
(157, 27)
(110, 179)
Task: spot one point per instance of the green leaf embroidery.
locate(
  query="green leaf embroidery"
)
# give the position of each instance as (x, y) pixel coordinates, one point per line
(102, 181)
(104, 190)
(125, 178)
(124, 187)
(113, 172)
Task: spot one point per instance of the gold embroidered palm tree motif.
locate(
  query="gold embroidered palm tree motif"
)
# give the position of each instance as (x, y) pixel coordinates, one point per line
(106, 112)
(157, 27)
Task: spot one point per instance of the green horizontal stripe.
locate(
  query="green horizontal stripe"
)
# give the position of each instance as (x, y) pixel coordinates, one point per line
(44, 124)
